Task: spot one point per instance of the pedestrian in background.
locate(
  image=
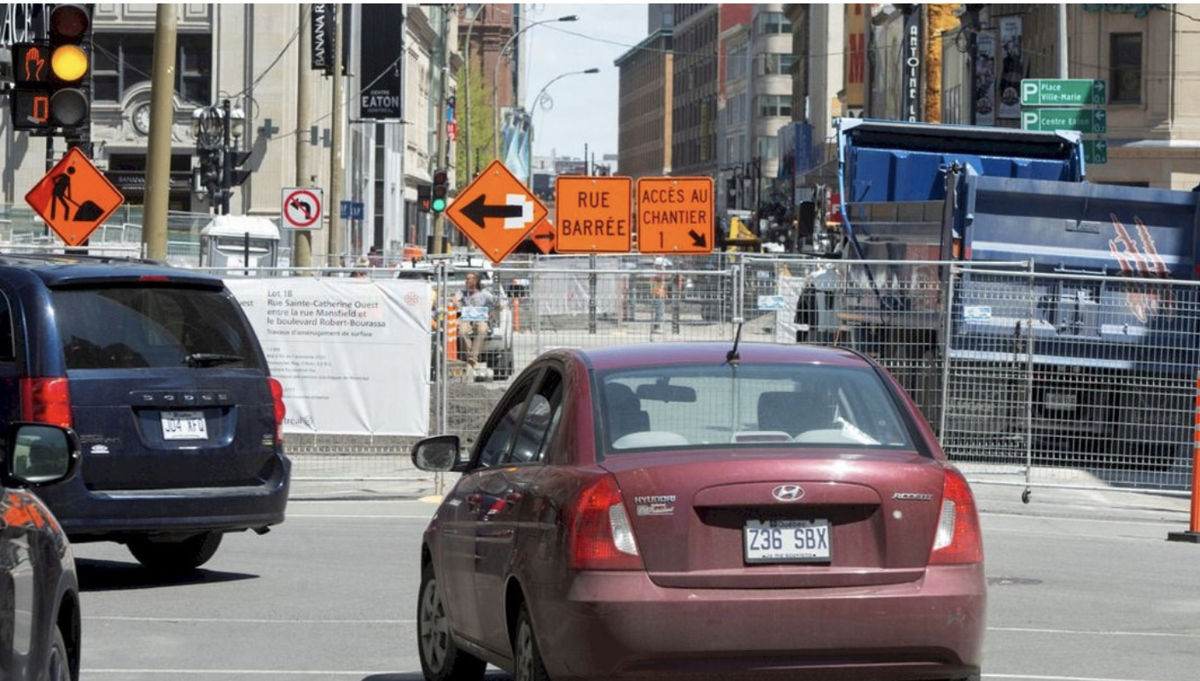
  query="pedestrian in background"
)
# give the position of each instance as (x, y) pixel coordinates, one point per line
(475, 303)
(659, 290)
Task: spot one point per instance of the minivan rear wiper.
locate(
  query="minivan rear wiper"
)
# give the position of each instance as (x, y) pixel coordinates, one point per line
(210, 359)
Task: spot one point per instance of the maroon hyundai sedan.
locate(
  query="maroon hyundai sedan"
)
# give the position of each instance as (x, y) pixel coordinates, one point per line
(702, 510)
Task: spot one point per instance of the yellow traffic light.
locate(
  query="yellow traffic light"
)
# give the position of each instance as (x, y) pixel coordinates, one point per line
(69, 63)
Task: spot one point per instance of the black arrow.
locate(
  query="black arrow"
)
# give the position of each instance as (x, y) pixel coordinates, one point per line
(477, 211)
(698, 240)
(548, 236)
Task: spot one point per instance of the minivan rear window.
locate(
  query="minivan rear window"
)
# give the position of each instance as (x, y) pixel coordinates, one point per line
(123, 327)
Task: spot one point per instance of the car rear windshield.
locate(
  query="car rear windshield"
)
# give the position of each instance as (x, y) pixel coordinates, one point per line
(754, 405)
(136, 327)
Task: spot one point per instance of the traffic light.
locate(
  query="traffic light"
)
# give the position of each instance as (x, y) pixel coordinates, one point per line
(441, 188)
(238, 175)
(424, 196)
(70, 31)
(50, 77)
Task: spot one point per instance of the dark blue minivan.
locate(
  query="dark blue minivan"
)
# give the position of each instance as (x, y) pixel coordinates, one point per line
(161, 376)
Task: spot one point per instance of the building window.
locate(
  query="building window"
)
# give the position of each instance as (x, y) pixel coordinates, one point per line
(1125, 78)
(768, 23)
(123, 60)
(768, 147)
(775, 64)
(774, 105)
(737, 109)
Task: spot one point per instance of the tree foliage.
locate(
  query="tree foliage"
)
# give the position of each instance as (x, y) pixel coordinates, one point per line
(473, 85)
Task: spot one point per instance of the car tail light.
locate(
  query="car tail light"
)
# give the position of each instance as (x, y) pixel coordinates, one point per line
(46, 400)
(280, 409)
(601, 536)
(958, 539)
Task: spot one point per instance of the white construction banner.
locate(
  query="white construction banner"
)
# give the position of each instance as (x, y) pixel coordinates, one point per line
(352, 355)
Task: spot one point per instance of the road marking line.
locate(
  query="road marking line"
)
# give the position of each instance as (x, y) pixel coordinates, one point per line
(240, 672)
(1078, 632)
(1029, 677)
(227, 620)
(352, 516)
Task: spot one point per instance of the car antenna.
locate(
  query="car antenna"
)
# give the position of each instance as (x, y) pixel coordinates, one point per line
(732, 357)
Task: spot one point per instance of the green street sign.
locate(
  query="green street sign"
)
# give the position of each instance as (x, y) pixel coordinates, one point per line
(1095, 151)
(1083, 120)
(1063, 92)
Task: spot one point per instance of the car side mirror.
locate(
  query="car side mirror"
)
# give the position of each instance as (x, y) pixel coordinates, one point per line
(438, 454)
(41, 454)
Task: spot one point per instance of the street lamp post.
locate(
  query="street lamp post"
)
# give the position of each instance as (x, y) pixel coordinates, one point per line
(467, 77)
(533, 106)
(496, 77)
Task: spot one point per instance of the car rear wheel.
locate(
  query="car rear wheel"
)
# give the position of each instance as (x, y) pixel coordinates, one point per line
(527, 656)
(441, 660)
(59, 668)
(173, 557)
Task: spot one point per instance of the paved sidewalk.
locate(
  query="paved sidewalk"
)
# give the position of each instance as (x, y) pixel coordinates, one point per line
(325, 478)
(1095, 501)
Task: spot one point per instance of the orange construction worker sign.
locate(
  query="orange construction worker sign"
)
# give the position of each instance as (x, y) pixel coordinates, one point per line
(496, 212)
(593, 214)
(675, 215)
(74, 198)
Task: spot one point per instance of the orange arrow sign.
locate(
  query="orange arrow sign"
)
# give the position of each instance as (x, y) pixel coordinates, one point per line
(496, 211)
(543, 237)
(74, 198)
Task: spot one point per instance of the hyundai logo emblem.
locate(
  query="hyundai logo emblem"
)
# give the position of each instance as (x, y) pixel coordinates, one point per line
(788, 493)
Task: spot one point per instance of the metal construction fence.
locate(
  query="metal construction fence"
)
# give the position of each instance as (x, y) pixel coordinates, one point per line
(1030, 379)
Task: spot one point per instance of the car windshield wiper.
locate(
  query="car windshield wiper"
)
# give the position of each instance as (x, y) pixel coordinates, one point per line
(210, 359)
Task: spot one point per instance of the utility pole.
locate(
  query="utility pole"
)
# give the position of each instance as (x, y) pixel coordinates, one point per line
(302, 246)
(335, 177)
(158, 163)
(439, 218)
(1063, 68)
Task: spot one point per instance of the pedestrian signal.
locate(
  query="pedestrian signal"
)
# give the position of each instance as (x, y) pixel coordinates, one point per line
(424, 196)
(441, 188)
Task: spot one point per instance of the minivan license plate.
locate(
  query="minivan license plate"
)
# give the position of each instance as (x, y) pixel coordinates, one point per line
(787, 541)
(184, 425)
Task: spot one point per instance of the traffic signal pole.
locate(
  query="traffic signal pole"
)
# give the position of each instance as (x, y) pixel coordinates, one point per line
(302, 247)
(336, 246)
(439, 217)
(158, 164)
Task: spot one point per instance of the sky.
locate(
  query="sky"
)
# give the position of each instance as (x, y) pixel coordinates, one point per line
(584, 105)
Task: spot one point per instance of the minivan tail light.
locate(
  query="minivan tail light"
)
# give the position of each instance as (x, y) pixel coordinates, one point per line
(958, 539)
(600, 535)
(280, 409)
(46, 400)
